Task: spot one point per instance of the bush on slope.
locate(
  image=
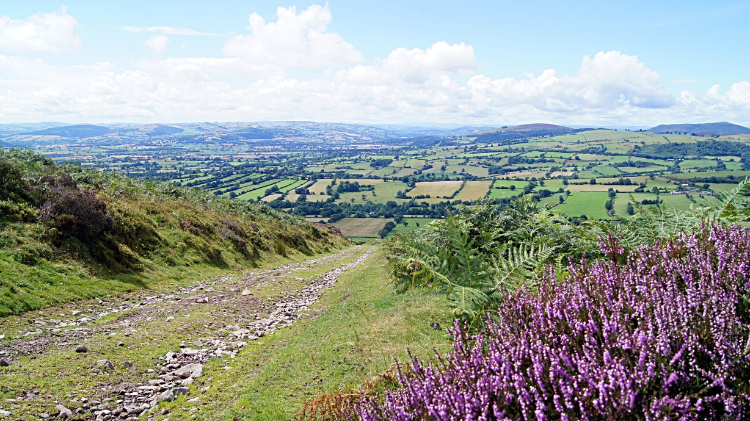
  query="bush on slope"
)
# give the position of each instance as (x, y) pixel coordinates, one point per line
(659, 333)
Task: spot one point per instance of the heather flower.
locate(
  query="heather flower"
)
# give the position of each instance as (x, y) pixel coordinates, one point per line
(660, 333)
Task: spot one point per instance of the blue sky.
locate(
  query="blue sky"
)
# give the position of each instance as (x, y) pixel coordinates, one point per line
(376, 62)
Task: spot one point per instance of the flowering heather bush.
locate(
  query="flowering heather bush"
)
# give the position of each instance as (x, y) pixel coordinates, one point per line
(663, 333)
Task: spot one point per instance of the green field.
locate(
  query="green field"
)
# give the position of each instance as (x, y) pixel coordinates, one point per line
(590, 204)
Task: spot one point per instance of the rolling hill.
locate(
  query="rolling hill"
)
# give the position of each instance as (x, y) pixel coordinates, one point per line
(702, 129)
(518, 134)
(76, 131)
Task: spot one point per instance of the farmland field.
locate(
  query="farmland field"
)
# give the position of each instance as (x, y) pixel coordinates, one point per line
(473, 190)
(590, 204)
(435, 188)
(396, 176)
(361, 227)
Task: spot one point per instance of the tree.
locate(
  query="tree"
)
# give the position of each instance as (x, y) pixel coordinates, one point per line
(631, 209)
(592, 181)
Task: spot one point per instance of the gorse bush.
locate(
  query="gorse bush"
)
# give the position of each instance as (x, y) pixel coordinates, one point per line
(662, 332)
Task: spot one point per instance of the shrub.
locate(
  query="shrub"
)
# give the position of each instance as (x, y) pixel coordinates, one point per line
(72, 211)
(661, 333)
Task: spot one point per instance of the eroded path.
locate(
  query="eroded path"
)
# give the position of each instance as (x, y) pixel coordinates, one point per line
(143, 349)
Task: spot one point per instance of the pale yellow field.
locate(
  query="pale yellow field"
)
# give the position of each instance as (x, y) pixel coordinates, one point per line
(473, 190)
(435, 188)
(361, 227)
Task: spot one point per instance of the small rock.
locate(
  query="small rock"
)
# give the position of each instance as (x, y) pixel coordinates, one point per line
(435, 326)
(127, 364)
(4, 413)
(246, 292)
(187, 382)
(4, 362)
(170, 318)
(191, 370)
(64, 412)
(121, 344)
(105, 364)
(167, 395)
(180, 391)
(201, 300)
(82, 348)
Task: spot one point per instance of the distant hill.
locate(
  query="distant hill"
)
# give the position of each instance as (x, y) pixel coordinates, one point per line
(519, 134)
(81, 130)
(165, 130)
(703, 129)
(527, 128)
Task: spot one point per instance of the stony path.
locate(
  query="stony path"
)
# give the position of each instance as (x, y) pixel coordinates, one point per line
(240, 318)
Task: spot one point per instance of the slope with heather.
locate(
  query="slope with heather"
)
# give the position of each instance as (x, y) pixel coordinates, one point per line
(67, 232)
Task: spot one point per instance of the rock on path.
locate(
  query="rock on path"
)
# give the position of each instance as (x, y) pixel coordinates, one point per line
(179, 369)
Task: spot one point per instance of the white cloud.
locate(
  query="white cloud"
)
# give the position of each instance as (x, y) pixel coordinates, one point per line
(294, 40)
(42, 32)
(608, 81)
(167, 30)
(158, 44)
(252, 81)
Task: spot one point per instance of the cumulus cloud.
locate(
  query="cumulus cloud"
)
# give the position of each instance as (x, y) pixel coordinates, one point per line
(42, 32)
(167, 30)
(609, 80)
(252, 81)
(158, 44)
(294, 40)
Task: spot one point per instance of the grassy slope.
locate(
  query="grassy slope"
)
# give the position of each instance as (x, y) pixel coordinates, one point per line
(155, 238)
(364, 328)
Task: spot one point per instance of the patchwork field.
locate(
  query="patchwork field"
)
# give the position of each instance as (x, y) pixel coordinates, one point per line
(435, 188)
(473, 190)
(361, 227)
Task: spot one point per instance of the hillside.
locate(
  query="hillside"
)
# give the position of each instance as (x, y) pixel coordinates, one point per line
(67, 232)
(77, 131)
(514, 134)
(703, 129)
(526, 128)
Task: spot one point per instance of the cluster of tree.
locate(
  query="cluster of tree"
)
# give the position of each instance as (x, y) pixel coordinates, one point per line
(352, 187)
(381, 163)
(389, 226)
(514, 137)
(701, 148)
(632, 164)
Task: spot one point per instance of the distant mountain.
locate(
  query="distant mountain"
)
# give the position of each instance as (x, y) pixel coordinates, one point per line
(704, 129)
(77, 131)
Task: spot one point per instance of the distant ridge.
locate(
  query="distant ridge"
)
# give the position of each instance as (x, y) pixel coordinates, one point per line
(162, 130)
(77, 131)
(703, 129)
(508, 135)
(527, 128)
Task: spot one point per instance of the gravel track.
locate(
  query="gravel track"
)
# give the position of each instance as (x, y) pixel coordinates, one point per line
(240, 318)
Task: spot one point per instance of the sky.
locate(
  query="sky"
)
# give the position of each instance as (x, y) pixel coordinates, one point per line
(583, 63)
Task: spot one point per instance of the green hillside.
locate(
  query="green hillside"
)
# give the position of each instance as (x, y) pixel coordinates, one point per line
(67, 232)
(702, 129)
